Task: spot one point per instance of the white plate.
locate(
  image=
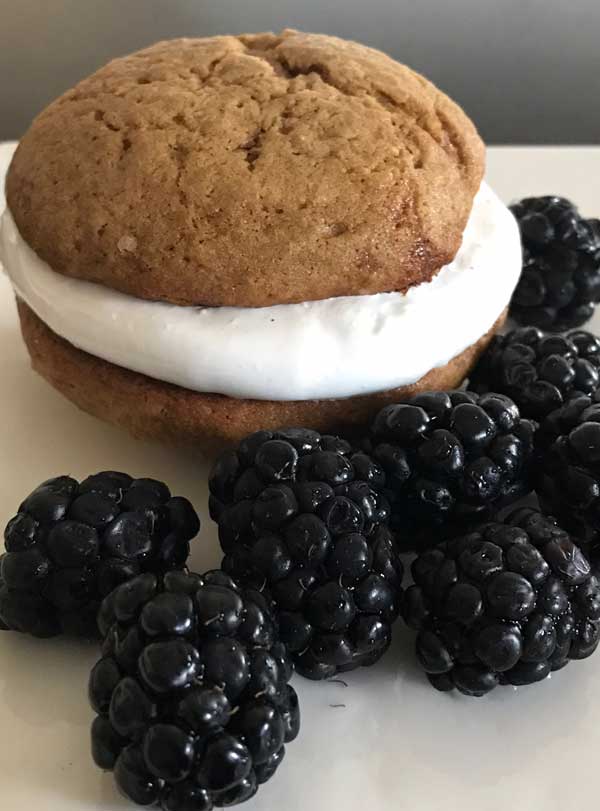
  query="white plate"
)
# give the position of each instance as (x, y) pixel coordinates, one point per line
(395, 744)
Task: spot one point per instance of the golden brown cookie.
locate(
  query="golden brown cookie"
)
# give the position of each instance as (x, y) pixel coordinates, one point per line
(152, 409)
(248, 171)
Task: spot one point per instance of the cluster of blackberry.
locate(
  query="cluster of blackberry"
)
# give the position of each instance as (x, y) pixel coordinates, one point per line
(539, 371)
(560, 281)
(70, 544)
(505, 604)
(304, 517)
(192, 695)
(450, 459)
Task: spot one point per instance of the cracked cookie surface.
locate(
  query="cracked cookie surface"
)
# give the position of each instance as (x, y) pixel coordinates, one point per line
(248, 171)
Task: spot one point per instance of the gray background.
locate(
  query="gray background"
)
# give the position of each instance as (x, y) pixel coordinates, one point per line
(527, 71)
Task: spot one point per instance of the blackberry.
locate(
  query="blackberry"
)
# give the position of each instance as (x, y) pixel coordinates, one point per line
(539, 371)
(505, 604)
(569, 477)
(70, 544)
(560, 280)
(192, 698)
(449, 459)
(302, 517)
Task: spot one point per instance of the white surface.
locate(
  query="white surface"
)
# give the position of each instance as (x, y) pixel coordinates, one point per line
(229, 350)
(396, 745)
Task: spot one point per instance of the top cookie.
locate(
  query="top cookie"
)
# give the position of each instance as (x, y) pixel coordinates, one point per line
(248, 171)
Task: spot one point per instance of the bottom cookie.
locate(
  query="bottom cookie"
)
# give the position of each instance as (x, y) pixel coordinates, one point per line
(152, 409)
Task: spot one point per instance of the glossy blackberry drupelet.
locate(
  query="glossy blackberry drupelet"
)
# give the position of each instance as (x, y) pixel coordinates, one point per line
(560, 280)
(569, 473)
(301, 516)
(192, 697)
(449, 459)
(505, 604)
(70, 544)
(539, 371)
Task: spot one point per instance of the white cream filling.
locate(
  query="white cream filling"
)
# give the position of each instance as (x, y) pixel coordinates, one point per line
(336, 347)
